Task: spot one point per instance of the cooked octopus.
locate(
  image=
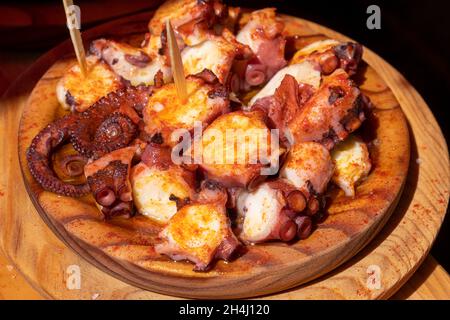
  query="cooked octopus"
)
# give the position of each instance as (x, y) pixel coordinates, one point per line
(131, 63)
(263, 34)
(207, 169)
(352, 164)
(282, 107)
(304, 73)
(77, 93)
(109, 180)
(326, 115)
(334, 111)
(160, 188)
(111, 123)
(329, 55)
(308, 167)
(217, 54)
(200, 231)
(192, 20)
(166, 113)
(271, 212)
(39, 158)
(236, 147)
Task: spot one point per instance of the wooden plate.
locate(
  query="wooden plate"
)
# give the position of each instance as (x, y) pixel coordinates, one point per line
(119, 250)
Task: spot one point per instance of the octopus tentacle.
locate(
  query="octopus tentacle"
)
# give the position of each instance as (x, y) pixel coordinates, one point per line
(263, 34)
(304, 226)
(277, 210)
(328, 116)
(71, 165)
(330, 55)
(109, 180)
(109, 124)
(117, 131)
(38, 156)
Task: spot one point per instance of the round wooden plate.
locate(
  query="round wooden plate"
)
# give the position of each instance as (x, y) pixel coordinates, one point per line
(265, 268)
(124, 247)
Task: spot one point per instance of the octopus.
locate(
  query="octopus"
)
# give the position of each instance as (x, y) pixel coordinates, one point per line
(332, 113)
(165, 114)
(109, 124)
(329, 55)
(246, 158)
(201, 231)
(39, 158)
(262, 33)
(305, 73)
(196, 24)
(192, 20)
(308, 167)
(217, 53)
(274, 211)
(352, 163)
(160, 187)
(109, 181)
(238, 159)
(77, 93)
(132, 64)
(326, 115)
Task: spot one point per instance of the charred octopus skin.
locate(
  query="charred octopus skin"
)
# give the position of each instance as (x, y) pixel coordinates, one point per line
(193, 20)
(39, 158)
(109, 180)
(329, 55)
(110, 124)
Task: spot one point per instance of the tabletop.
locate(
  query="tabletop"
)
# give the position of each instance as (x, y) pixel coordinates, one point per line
(430, 281)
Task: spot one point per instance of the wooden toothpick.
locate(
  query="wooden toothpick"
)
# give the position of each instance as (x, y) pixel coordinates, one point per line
(176, 62)
(75, 35)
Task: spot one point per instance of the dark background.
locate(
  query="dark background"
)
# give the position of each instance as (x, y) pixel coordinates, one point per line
(414, 38)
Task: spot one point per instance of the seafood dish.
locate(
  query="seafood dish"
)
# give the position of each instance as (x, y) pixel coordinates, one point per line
(248, 157)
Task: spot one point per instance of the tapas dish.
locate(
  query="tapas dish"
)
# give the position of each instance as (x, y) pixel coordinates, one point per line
(272, 134)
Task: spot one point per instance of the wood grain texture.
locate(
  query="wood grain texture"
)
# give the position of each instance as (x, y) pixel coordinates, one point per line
(430, 282)
(12, 285)
(45, 259)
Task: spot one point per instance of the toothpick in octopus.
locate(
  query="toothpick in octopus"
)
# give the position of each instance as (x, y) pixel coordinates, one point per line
(176, 62)
(73, 24)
